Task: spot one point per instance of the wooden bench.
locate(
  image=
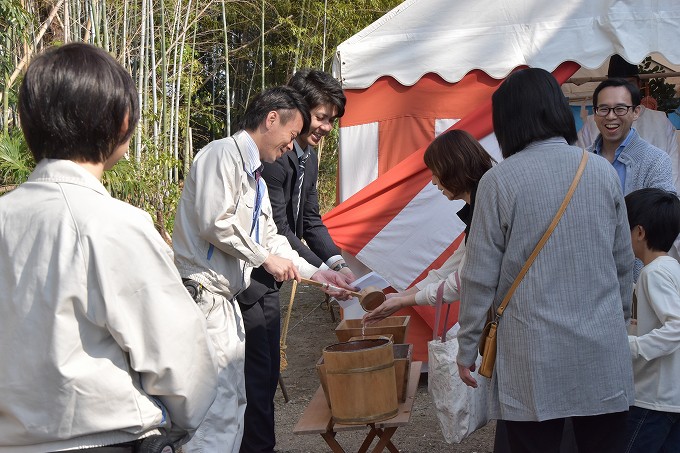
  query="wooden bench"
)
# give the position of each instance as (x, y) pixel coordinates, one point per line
(317, 419)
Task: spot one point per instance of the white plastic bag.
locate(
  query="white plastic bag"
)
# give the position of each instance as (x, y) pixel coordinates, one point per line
(461, 410)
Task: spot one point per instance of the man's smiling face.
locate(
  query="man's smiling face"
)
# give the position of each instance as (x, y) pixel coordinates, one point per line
(615, 129)
(282, 129)
(323, 117)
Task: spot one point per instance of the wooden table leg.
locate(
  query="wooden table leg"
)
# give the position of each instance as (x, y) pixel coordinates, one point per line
(372, 433)
(385, 442)
(329, 437)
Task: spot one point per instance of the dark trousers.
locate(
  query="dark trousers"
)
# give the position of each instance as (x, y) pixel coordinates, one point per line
(262, 322)
(502, 444)
(652, 431)
(594, 434)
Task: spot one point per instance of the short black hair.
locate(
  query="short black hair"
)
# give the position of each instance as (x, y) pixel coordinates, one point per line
(658, 212)
(282, 99)
(634, 91)
(318, 87)
(73, 102)
(530, 106)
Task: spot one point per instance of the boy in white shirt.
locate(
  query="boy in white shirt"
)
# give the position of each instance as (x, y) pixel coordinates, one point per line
(654, 419)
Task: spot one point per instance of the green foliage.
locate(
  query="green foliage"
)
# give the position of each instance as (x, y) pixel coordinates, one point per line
(13, 22)
(294, 39)
(659, 89)
(16, 162)
(145, 184)
(217, 80)
(12, 14)
(328, 169)
(13, 18)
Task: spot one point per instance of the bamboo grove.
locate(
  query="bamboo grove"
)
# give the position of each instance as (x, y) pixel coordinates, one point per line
(196, 63)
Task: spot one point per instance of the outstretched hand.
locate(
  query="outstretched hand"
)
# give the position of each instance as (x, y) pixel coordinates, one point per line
(387, 308)
(338, 280)
(393, 303)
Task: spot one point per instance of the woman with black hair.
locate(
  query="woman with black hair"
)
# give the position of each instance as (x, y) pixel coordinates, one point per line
(562, 344)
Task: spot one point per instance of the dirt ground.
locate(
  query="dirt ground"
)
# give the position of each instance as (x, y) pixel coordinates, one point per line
(311, 328)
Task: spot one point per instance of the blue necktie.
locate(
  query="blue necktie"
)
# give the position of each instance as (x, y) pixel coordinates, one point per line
(259, 192)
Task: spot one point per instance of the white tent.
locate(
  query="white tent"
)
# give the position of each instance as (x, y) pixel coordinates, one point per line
(430, 64)
(450, 38)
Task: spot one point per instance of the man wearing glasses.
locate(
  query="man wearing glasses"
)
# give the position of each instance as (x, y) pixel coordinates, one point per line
(652, 125)
(639, 164)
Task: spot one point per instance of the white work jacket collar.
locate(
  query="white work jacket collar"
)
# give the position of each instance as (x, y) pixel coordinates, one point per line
(67, 172)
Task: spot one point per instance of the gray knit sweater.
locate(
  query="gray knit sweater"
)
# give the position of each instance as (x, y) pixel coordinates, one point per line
(646, 165)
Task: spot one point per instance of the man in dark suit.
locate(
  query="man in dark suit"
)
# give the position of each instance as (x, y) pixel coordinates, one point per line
(291, 182)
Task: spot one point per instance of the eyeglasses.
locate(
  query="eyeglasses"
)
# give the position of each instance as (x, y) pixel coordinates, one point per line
(619, 110)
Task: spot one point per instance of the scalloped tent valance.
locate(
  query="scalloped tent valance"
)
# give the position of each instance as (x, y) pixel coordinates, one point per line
(451, 38)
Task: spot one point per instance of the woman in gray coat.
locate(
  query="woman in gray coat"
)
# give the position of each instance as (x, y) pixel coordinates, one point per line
(562, 344)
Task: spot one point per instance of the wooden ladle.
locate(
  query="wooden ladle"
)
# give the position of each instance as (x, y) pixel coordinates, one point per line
(370, 297)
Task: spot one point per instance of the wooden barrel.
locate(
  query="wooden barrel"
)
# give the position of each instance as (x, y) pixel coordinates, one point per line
(360, 380)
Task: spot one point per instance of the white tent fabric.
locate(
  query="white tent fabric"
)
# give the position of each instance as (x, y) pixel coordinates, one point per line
(450, 38)
(390, 219)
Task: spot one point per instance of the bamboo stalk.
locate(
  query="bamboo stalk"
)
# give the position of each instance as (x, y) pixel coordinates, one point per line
(175, 170)
(67, 22)
(188, 142)
(5, 93)
(299, 38)
(79, 15)
(154, 82)
(125, 60)
(174, 116)
(105, 25)
(226, 70)
(323, 46)
(262, 45)
(140, 81)
(38, 38)
(164, 81)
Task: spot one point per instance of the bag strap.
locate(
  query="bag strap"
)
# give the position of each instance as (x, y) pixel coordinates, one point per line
(546, 235)
(446, 318)
(438, 311)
